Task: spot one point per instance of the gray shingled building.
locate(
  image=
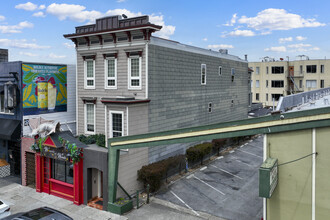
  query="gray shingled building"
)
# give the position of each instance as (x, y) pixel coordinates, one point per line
(129, 82)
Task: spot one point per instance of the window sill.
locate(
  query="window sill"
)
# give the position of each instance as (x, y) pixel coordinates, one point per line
(89, 87)
(133, 88)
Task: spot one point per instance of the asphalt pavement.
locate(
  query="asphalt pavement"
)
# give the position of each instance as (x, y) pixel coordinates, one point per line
(227, 187)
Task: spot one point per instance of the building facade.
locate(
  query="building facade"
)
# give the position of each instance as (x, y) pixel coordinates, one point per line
(129, 82)
(273, 79)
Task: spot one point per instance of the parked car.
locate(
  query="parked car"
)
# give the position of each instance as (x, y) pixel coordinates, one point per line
(4, 210)
(43, 213)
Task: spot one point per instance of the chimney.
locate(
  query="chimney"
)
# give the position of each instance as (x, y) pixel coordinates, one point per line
(245, 57)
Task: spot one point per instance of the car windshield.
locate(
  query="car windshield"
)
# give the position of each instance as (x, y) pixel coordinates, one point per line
(38, 214)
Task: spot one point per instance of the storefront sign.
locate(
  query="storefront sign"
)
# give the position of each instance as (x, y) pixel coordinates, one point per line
(44, 88)
(268, 177)
(55, 153)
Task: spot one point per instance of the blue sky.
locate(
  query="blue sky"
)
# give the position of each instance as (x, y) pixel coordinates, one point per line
(33, 30)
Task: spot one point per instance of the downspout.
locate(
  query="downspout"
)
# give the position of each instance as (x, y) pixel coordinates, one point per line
(264, 200)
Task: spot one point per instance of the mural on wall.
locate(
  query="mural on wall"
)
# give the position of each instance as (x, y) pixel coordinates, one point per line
(44, 88)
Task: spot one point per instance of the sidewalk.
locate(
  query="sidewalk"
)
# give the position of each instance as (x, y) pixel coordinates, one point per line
(22, 198)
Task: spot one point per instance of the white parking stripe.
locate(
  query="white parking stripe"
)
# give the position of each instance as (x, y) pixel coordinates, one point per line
(227, 172)
(203, 168)
(232, 151)
(219, 157)
(196, 213)
(248, 153)
(209, 185)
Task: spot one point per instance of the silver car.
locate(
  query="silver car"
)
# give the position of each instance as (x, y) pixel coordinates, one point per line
(44, 213)
(4, 210)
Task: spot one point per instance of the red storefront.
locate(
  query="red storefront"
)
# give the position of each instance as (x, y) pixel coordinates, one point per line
(56, 173)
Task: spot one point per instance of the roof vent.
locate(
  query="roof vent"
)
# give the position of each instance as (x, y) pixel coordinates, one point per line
(223, 51)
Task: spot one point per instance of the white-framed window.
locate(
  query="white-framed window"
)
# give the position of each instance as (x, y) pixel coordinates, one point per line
(203, 74)
(220, 70)
(257, 70)
(89, 69)
(110, 66)
(210, 107)
(251, 83)
(311, 83)
(134, 72)
(232, 74)
(89, 118)
(322, 68)
(257, 84)
(116, 124)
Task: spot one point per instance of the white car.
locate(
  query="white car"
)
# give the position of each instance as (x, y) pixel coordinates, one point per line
(4, 210)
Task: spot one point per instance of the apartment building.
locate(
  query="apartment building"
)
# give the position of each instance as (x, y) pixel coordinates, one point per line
(272, 79)
(130, 82)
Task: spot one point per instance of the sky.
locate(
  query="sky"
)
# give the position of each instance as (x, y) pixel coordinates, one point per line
(33, 30)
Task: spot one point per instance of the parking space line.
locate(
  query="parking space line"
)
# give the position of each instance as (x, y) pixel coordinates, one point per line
(248, 153)
(218, 158)
(203, 168)
(196, 213)
(232, 151)
(227, 172)
(209, 185)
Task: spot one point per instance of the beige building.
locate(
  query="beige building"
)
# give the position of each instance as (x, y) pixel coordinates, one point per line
(272, 79)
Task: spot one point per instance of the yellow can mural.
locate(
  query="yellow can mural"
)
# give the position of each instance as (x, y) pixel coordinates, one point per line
(44, 88)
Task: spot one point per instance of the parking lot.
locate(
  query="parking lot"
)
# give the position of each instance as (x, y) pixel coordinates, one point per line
(227, 187)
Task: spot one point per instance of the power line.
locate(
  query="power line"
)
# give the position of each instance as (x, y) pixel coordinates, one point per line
(296, 159)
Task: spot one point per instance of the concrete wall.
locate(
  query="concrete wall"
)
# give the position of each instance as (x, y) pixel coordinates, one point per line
(178, 99)
(292, 198)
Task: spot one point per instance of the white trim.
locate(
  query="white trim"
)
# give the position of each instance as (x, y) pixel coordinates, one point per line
(265, 157)
(90, 78)
(203, 65)
(127, 133)
(77, 131)
(110, 122)
(313, 172)
(106, 126)
(106, 78)
(85, 118)
(130, 87)
(147, 74)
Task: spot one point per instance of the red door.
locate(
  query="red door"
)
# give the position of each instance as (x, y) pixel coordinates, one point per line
(46, 174)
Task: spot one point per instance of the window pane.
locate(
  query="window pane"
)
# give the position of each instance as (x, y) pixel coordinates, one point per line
(90, 68)
(58, 170)
(111, 82)
(117, 125)
(69, 172)
(90, 82)
(2, 102)
(135, 70)
(135, 82)
(90, 117)
(111, 68)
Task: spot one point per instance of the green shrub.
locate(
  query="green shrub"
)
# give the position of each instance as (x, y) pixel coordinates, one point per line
(100, 141)
(218, 144)
(198, 152)
(153, 173)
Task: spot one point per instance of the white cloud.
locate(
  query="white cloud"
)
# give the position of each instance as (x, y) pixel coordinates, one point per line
(240, 33)
(232, 21)
(42, 7)
(28, 54)
(54, 56)
(276, 49)
(13, 29)
(2, 18)
(72, 12)
(278, 19)
(120, 1)
(302, 47)
(285, 39)
(39, 14)
(301, 38)
(220, 46)
(27, 6)
(165, 32)
(204, 39)
(22, 44)
(68, 45)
